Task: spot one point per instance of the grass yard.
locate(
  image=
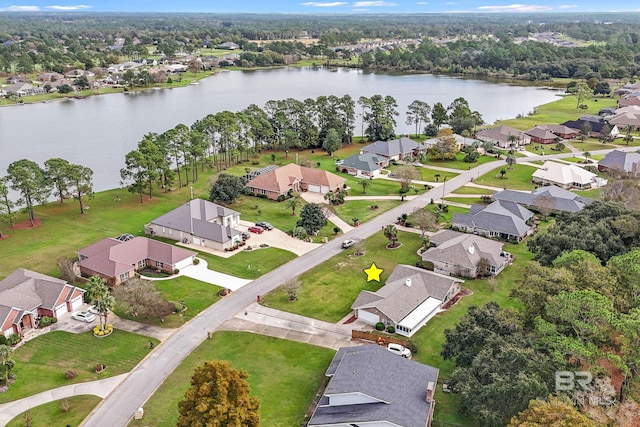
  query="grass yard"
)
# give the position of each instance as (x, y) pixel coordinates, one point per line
(465, 200)
(446, 217)
(329, 289)
(196, 294)
(518, 178)
(52, 413)
(458, 163)
(42, 362)
(594, 193)
(473, 190)
(284, 375)
(261, 261)
(541, 149)
(591, 144)
(361, 209)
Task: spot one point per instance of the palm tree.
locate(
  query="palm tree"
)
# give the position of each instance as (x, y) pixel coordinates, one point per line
(391, 233)
(293, 203)
(513, 139)
(99, 295)
(364, 183)
(586, 156)
(627, 134)
(510, 160)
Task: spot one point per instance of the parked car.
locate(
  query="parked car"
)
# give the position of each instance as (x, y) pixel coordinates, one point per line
(94, 310)
(264, 225)
(399, 350)
(245, 236)
(348, 243)
(256, 229)
(84, 316)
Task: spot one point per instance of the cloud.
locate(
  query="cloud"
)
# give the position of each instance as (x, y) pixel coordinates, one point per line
(324, 4)
(568, 6)
(373, 4)
(67, 8)
(22, 8)
(515, 8)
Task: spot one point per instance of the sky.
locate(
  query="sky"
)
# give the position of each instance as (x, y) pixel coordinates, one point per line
(324, 6)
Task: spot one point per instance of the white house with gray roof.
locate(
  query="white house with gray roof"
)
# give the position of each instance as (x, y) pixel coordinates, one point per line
(370, 386)
(408, 300)
(621, 162)
(501, 219)
(396, 149)
(364, 165)
(549, 198)
(459, 254)
(201, 223)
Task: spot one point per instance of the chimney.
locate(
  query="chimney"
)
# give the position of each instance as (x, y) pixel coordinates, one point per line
(471, 249)
(430, 389)
(408, 282)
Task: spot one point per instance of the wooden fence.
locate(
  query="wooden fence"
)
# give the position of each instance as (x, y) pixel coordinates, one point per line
(380, 339)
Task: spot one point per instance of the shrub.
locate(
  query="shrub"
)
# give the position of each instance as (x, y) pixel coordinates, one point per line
(427, 265)
(281, 198)
(46, 321)
(177, 307)
(391, 329)
(70, 374)
(14, 339)
(196, 261)
(176, 271)
(3, 340)
(379, 326)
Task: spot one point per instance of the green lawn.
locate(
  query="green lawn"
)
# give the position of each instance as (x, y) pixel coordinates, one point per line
(446, 217)
(52, 413)
(541, 149)
(361, 209)
(196, 294)
(284, 375)
(465, 200)
(47, 357)
(329, 289)
(249, 264)
(458, 163)
(594, 193)
(518, 178)
(591, 144)
(473, 190)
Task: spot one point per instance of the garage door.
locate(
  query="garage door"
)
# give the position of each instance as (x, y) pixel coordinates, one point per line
(368, 317)
(184, 263)
(76, 303)
(314, 188)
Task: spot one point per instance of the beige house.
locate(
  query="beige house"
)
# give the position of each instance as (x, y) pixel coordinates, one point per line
(294, 178)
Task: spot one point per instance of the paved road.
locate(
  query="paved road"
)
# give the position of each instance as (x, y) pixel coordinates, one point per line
(118, 408)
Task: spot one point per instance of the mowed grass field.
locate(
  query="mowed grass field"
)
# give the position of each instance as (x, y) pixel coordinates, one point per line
(55, 414)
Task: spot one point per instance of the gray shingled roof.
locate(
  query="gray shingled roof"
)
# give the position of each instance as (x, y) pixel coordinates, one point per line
(392, 148)
(397, 300)
(561, 200)
(28, 290)
(500, 216)
(399, 384)
(193, 217)
(621, 161)
(364, 162)
(455, 250)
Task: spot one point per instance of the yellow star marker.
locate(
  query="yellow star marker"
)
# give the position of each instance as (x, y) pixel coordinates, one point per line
(373, 272)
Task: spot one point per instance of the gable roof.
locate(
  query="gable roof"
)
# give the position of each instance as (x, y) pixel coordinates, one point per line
(368, 162)
(465, 250)
(500, 216)
(397, 384)
(392, 148)
(549, 197)
(559, 129)
(281, 180)
(397, 300)
(500, 133)
(541, 133)
(563, 173)
(460, 140)
(27, 290)
(121, 257)
(198, 217)
(596, 123)
(621, 161)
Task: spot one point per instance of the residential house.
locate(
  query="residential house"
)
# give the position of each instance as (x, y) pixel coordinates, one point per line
(504, 136)
(117, 261)
(228, 46)
(461, 141)
(626, 116)
(606, 111)
(199, 222)
(598, 125)
(370, 386)
(566, 176)
(364, 164)
(410, 297)
(295, 178)
(22, 89)
(548, 198)
(541, 135)
(629, 100)
(395, 149)
(562, 131)
(621, 162)
(48, 77)
(25, 296)
(459, 254)
(501, 219)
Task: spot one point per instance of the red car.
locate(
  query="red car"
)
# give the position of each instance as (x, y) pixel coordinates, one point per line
(256, 229)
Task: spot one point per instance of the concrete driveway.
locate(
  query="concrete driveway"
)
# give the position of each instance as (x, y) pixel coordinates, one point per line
(277, 239)
(201, 272)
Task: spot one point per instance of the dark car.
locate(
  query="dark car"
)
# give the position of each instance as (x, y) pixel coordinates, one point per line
(256, 229)
(245, 236)
(264, 225)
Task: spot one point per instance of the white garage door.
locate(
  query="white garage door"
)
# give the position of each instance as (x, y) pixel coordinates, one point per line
(368, 317)
(314, 188)
(76, 303)
(184, 263)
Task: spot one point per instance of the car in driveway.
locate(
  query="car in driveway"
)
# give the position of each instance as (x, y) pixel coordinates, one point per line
(245, 236)
(256, 229)
(94, 310)
(84, 316)
(399, 350)
(348, 243)
(265, 225)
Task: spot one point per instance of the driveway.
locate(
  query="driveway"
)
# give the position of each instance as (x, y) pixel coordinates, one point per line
(278, 239)
(201, 272)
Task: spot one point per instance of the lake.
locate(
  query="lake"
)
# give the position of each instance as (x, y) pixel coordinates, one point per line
(98, 131)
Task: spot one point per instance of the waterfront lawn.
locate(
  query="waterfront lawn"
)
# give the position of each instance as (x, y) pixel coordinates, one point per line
(283, 375)
(473, 190)
(261, 261)
(458, 163)
(361, 209)
(518, 178)
(52, 413)
(42, 362)
(196, 294)
(328, 290)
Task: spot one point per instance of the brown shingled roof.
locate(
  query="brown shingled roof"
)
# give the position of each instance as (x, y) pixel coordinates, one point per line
(282, 179)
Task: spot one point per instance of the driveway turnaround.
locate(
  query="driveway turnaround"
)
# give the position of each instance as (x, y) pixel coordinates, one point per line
(277, 238)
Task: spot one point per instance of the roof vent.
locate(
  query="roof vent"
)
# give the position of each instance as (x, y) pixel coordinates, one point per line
(471, 249)
(408, 282)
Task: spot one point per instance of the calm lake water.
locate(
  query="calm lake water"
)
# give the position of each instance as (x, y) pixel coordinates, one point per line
(98, 131)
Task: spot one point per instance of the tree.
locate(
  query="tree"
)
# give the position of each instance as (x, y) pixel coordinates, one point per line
(81, 180)
(312, 218)
(379, 114)
(438, 115)
(445, 148)
(554, 411)
(580, 91)
(602, 88)
(627, 134)
(218, 397)
(471, 153)
(6, 364)
(6, 205)
(391, 233)
(418, 113)
(226, 189)
(98, 294)
(332, 142)
(406, 174)
(364, 183)
(585, 130)
(293, 204)
(586, 156)
(484, 267)
(425, 220)
(30, 181)
(140, 298)
(510, 160)
(57, 174)
(65, 266)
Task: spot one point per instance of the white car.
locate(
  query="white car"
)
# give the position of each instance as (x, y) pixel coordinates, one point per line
(348, 243)
(399, 350)
(94, 309)
(84, 316)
